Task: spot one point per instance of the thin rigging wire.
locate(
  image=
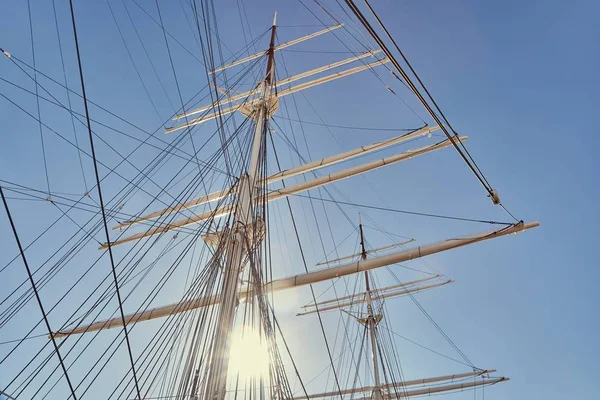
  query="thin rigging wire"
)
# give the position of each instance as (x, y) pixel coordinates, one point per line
(306, 269)
(96, 172)
(358, 128)
(467, 158)
(37, 296)
(483, 221)
(37, 98)
(62, 61)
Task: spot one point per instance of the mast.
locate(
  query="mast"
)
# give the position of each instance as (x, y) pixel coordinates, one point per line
(371, 320)
(243, 220)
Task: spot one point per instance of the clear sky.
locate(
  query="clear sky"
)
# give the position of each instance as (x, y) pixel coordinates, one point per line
(520, 78)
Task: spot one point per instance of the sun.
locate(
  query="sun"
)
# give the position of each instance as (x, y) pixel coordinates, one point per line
(249, 355)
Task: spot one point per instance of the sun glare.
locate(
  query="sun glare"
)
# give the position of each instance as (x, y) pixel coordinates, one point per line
(249, 355)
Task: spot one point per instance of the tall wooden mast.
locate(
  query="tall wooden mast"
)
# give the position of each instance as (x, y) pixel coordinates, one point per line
(244, 218)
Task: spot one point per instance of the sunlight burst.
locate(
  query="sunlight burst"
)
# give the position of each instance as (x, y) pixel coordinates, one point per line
(249, 355)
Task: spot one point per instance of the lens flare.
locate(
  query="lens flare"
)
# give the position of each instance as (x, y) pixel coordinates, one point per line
(249, 355)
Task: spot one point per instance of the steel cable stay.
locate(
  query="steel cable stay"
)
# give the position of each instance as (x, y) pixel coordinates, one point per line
(177, 83)
(39, 301)
(83, 123)
(467, 158)
(135, 67)
(78, 356)
(335, 138)
(39, 115)
(344, 29)
(421, 214)
(332, 199)
(209, 66)
(315, 218)
(124, 158)
(311, 287)
(17, 60)
(119, 164)
(111, 257)
(358, 128)
(64, 71)
(326, 189)
(145, 50)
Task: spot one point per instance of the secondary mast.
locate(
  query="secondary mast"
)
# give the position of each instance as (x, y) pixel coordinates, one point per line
(244, 220)
(372, 320)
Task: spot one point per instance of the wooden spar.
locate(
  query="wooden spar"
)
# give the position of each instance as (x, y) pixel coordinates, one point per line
(376, 296)
(359, 169)
(147, 315)
(189, 204)
(391, 386)
(444, 388)
(301, 187)
(389, 246)
(334, 76)
(331, 160)
(313, 277)
(208, 117)
(351, 296)
(277, 48)
(327, 67)
(285, 81)
(285, 92)
(288, 173)
(394, 258)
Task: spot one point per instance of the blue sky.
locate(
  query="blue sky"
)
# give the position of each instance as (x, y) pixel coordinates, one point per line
(519, 78)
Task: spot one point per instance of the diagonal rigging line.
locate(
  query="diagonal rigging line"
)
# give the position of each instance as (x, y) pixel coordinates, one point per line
(359, 15)
(483, 221)
(189, 131)
(62, 61)
(39, 300)
(37, 97)
(306, 268)
(91, 136)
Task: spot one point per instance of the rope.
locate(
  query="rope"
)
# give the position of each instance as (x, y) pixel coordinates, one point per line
(483, 221)
(37, 99)
(37, 296)
(97, 174)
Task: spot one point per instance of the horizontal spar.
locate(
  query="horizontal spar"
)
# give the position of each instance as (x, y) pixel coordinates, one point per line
(443, 388)
(277, 48)
(288, 173)
(376, 296)
(230, 99)
(285, 92)
(385, 289)
(400, 384)
(318, 276)
(394, 258)
(355, 255)
(359, 169)
(301, 187)
(187, 205)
